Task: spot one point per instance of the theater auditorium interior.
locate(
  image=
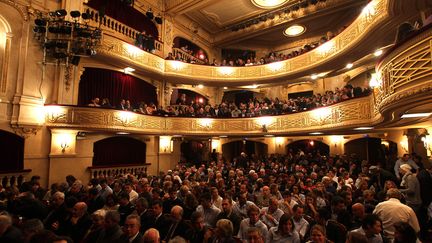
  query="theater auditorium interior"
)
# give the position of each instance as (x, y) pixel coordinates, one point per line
(215, 121)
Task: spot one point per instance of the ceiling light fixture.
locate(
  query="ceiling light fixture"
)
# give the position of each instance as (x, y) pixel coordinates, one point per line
(294, 30)
(363, 128)
(200, 86)
(225, 87)
(349, 65)
(314, 76)
(316, 133)
(129, 70)
(268, 3)
(416, 115)
(378, 53)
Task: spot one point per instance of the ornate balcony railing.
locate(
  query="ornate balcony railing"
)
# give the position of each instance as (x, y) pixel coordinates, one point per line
(351, 113)
(119, 30)
(186, 56)
(375, 16)
(13, 178)
(117, 170)
(405, 72)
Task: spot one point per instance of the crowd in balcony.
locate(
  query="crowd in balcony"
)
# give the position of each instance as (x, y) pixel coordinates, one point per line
(251, 61)
(248, 108)
(298, 197)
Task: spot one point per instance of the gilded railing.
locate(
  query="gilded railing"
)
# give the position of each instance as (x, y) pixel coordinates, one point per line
(351, 113)
(405, 71)
(186, 56)
(372, 17)
(119, 30)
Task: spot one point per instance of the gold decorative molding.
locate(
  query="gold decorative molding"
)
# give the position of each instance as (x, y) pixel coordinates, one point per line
(26, 131)
(406, 71)
(347, 114)
(376, 14)
(22, 9)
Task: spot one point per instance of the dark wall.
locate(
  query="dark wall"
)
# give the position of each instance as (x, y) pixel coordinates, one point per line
(190, 96)
(233, 149)
(307, 147)
(366, 149)
(119, 151)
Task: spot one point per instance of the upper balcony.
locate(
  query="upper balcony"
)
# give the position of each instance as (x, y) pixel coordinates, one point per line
(372, 26)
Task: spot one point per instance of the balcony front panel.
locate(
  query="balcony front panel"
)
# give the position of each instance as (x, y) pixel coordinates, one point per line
(352, 113)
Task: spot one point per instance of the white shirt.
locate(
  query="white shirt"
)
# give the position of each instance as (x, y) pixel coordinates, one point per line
(210, 215)
(245, 225)
(277, 214)
(301, 226)
(133, 195)
(393, 211)
(400, 162)
(218, 202)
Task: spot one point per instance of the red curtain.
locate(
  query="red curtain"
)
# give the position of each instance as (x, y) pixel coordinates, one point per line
(118, 151)
(104, 83)
(126, 14)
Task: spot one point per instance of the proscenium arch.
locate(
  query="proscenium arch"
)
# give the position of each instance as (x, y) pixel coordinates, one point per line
(308, 146)
(119, 150)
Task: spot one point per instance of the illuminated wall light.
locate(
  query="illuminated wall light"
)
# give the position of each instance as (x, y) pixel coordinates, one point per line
(225, 87)
(265, 121)
(416, 115)
(132, 50)
(404, 144)
(215, 144)
(363, 128)
(254, 86)
(125, 117)
(311, 143)
(52, 113)
(378, 53)
(200, 86)
(349, 65)
(279, 141)
(336, 139)
(129, 70)
(314, 76)
(369, 9)
(326, 47)
(321, 75)
(275, 66)
(63, 140)
(165, 144)
(226, 70)
(206, 123)
(201, 100)
(294, 30)
(316, 133)
(321, 113)
(375, 81)
(177, 65)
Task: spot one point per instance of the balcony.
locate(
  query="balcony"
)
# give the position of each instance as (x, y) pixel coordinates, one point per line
(345, 115)
(374, 24)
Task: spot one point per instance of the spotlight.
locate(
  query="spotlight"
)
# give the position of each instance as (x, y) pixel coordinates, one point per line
(40, 22)
(158, 19)
(75, 14)
(150, 14)
(60, 13)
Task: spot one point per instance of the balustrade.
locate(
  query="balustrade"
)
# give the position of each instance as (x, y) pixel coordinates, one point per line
(118, 170)
(186, 56)
(117, 29)
(13, 178)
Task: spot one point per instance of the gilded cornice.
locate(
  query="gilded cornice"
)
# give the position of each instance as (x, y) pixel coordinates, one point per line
(347, 114)
(22, 9)
(174, 71)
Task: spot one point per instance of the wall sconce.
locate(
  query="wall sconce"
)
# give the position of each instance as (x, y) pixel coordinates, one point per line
(205, 123)
(64, 140)
(64, 145)
(215, 145)
(165, 144)
(279, 141)
(427, 143)
(53, 113)
(404, 144)
(336, 139)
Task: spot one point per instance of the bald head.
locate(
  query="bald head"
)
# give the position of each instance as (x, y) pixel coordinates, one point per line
(358, 210)
(151, 236)
(79, 209)
(177, 212)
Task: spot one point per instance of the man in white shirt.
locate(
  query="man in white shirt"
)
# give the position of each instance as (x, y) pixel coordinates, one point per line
(271, 215)
(252, 221)
(209, 210)
(404, 160)
(371, 228)
(133, 195)
(301, 225)
(240, 208)
(393, 211)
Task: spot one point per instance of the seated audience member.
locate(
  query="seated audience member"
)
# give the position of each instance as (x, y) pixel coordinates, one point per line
(228, 213)
(270, 215)
(8, 232)
(131, 229)
(78, 224)
(300, 224)
(94, 102)
(252, 221)
(254, 235)
(284, 232)
(151, 236)
(209, 211)
(371, 228)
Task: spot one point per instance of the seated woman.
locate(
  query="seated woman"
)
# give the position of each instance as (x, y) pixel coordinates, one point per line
(284, 232)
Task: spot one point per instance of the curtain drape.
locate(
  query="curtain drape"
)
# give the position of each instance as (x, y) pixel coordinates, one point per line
(104, 83)
(128, 15)
(118, 151)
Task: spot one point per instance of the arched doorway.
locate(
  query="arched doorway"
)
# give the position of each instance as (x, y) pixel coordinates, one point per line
(12, 152)
(191, 96)
(194, 49)
(367, 148)
(119, 151)
(195, 151)
(309, 146)
(233, 149)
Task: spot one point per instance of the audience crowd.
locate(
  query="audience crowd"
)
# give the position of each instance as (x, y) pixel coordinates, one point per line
(252, 108)
(297, 197)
